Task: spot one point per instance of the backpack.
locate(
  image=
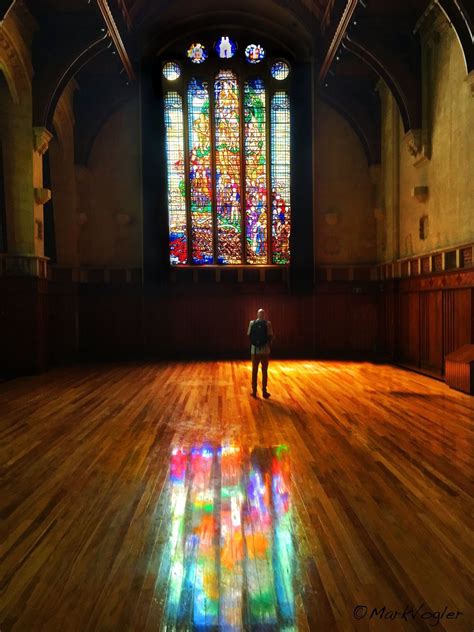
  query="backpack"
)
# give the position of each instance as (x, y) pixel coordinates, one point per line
(259, 333)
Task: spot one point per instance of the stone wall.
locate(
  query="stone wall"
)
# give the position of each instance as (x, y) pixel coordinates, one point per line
(344, 224)
(437, 182)
(110, 194)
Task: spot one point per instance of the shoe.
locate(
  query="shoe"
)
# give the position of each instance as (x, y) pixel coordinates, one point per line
(253, 393)
(266, 394)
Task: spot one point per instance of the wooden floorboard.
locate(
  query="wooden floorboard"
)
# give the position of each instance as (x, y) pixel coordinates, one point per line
(161, 496)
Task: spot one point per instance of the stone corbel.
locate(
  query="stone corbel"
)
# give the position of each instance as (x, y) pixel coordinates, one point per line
(416, 147)
(42, 195)
(41, 139)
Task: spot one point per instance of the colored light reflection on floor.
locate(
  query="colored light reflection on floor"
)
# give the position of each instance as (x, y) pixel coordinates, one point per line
(229, 560)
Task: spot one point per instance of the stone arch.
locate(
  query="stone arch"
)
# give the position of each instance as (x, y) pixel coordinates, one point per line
(16, 69)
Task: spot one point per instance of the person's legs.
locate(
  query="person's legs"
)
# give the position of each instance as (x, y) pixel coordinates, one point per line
(264, 360)
(255, 362)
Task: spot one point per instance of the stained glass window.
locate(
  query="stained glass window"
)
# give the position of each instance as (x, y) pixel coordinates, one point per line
(197, 53)
(227, 141)
(176, 182)
(280, 70)
(280, 177)
(171, 71)
(225, 47)
(200, 171)
(228, 165)
(255, 171)
(254, 53)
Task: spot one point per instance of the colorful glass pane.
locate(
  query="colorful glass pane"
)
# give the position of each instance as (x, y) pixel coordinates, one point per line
(197, 53)
(176, 178)
(228, 185)
(280, 177)
(254, 53)
(280, 70)
(171, 71)
(256, 225)
(225, 47)
(200, 172)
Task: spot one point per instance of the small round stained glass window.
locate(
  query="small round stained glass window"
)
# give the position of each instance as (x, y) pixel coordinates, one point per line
(225, 47)
(254, 53)
(171, 71)
(280, 70)
(197, 53)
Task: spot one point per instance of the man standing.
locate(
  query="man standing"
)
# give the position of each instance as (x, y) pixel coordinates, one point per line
(260, 333)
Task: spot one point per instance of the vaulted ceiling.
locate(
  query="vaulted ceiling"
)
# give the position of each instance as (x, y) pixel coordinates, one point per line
(353, 43)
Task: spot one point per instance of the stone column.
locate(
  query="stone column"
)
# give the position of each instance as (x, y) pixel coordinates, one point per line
(41, 139)
(63, 182)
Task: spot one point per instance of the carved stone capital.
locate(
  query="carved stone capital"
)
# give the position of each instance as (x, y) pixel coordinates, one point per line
(417, 146)
(41, 139)
(413, 140)
(42, 195)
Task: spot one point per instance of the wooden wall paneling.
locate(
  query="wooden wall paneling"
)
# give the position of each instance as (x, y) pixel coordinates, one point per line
(387, 319)
(431, 338)
(216, 324)
(63, 322)
(449, 343)
(331, 322)
(362, 322)
(409, 328)
(23, 325)
(110, 322)
(463, 316)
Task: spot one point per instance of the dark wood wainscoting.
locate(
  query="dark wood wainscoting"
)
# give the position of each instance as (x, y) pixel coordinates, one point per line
(431, 317)
(415, 321)
(206, 321)
(23, 325)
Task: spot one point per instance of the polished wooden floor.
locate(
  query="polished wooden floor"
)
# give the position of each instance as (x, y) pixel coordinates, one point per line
(162, 496)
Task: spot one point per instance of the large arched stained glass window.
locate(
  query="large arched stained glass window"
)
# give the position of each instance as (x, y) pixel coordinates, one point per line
(228, 166)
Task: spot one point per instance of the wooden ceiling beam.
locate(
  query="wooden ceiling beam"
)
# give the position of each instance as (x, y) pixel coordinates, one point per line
(340, 17)
(117, 39)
